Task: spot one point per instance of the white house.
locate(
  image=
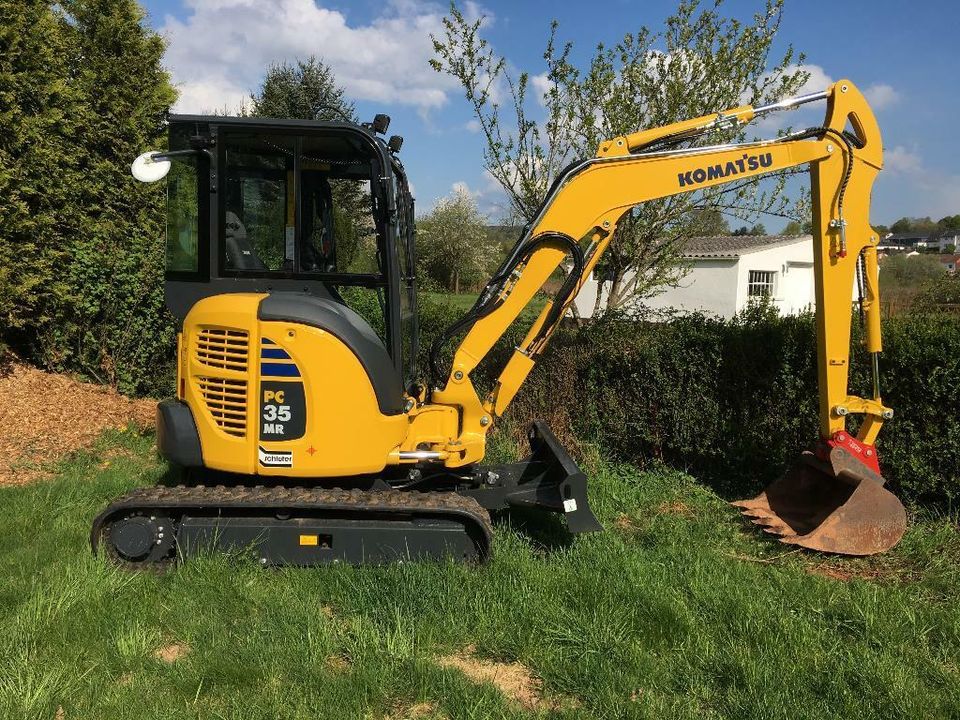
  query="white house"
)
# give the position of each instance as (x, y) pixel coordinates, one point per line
(726, 272)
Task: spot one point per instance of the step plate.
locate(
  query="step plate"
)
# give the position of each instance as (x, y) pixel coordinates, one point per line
(310, 541)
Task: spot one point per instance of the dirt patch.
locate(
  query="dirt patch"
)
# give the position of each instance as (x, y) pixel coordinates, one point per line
(417, 711)
(514, 680)
(674, 508)
(171, 653)
(64, 416)
(337, 663)
(625, 523)
(845, 574)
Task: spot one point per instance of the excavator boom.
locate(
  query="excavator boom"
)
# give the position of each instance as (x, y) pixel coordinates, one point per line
(578, 220)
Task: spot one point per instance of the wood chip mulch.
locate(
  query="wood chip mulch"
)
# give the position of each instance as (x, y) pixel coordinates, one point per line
(45, 417)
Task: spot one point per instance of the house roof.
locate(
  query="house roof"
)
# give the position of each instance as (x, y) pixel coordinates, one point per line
(733, 246)
(907, 238)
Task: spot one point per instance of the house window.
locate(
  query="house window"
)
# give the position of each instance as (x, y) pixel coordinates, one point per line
(762, 283)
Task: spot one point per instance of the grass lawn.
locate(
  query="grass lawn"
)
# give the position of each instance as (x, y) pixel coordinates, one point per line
(674, 612)
(465, 301)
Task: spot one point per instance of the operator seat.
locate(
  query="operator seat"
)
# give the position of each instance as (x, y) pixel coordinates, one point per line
(240, 253)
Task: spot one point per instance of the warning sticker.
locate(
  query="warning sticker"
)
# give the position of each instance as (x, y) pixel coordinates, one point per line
(275, 458)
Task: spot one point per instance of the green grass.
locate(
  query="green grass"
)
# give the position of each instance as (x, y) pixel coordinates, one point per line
(674, 612)
(465, 301)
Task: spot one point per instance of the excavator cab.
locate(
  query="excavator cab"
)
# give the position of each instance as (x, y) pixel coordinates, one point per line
(266, 206)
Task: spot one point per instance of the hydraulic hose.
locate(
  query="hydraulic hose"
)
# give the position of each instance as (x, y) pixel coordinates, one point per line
(489, 300)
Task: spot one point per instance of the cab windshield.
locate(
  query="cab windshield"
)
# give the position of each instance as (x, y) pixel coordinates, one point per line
(298, 205)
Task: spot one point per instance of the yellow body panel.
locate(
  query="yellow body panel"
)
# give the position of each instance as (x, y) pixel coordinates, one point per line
(345, 432)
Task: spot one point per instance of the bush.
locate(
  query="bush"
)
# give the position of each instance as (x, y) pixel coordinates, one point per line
(81, 243)
(734, 402)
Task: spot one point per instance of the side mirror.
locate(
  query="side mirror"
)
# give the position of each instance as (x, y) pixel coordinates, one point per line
(147, 169)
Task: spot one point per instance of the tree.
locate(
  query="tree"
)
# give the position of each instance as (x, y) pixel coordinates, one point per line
(83, 93)
(795, 227)
(757, 229)
(950, 222)
(699, 63)
(908, 225)
(708, 222)
(453, 247)
(899, 272)
(307, 90)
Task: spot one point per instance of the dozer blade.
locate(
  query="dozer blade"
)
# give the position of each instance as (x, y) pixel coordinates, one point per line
(838, 506)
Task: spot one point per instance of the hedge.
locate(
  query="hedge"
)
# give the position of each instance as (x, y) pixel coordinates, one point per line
(734, 402)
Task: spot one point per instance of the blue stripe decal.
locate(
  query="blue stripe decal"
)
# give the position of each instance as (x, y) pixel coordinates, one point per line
(267, 341)
(278, 370)
(274, 354)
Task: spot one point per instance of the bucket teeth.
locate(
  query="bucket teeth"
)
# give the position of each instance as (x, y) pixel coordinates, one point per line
(757, 502)
(838, 506)
(774, 526)
(757, 513)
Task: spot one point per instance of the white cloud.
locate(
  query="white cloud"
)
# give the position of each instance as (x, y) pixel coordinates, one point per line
(900, 160)
(541, 86)
(881, 95)
(219, 52)
(818, 79)
(461, 188)
(932, 191)
(472, 126)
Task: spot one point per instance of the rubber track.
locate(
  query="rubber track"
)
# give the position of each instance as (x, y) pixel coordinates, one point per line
(177, 500)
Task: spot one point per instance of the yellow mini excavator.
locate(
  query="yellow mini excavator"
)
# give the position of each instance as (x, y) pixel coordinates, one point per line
(306, 436)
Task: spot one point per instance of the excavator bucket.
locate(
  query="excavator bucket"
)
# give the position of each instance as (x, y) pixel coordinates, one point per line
(837, 506)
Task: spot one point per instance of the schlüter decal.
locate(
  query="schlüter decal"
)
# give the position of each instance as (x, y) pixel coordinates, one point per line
(275, 458)
(283, 410)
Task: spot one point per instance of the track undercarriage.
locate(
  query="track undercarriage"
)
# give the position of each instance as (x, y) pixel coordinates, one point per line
(438, 516)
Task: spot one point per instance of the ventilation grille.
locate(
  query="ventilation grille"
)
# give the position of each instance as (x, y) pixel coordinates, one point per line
(227, 403)
(222, 348)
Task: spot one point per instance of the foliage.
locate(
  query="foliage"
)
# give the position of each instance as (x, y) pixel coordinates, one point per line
(757, 229)
(950, 222)
(453, 244)
(83, 93)
(795, 227)
(908, 225)
(908, 271)
(701, 62)
(944, 290)
(735, 401)
(708, 222)
(305, 89)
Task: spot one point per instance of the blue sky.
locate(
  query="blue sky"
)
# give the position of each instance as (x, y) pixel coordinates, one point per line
(904, 54)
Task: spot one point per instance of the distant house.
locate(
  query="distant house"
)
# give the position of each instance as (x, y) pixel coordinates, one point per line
(943, 239)
(903, 241)
(726, 273)
(939, 240)
(950, 262)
